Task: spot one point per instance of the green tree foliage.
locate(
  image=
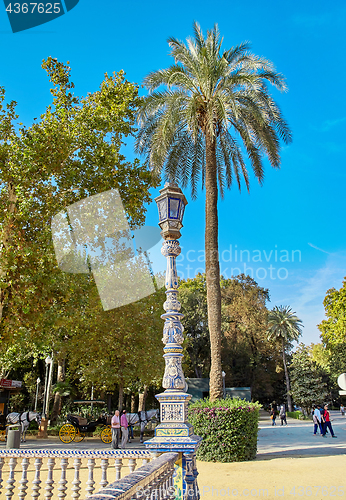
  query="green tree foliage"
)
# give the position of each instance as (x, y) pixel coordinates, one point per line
(193, 299)
(119, 346)
(333, 329)
(307, 386)
(249, 359)
(71, 152)
(215, 109)
(284, 326)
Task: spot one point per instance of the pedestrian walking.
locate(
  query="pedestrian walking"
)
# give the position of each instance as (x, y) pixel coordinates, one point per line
(324, 428)
(273, 413)
(342, 410)
(316, 417)
(282, 415)
(327, 422)
(124, 429)
(115, 424)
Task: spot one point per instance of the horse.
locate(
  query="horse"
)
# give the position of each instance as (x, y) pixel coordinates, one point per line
(23, 419)
(142, 418)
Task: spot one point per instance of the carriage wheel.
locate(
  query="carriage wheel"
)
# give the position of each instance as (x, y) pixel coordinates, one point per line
(106, 435)
(79, 437)
(67, 433)
(3, 435)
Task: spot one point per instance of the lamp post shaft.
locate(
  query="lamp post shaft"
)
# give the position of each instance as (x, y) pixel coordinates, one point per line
(174, 433)
(173, 329)
(36, 396)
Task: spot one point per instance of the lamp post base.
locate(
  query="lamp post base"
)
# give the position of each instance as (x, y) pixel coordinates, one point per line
(176, 434)
(42, 430)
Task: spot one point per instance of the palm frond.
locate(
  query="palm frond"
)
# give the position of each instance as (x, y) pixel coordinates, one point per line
(222, 93)
(283, 324)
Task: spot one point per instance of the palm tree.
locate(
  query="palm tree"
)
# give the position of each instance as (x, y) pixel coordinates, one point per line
(284, 326)
(214, 108)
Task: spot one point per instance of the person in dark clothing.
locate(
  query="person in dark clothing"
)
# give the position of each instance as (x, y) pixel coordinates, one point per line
(282, 415)
(327, 423)
(273, 415)
(324, 429)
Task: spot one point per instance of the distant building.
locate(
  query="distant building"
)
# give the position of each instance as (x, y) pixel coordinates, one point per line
(199, 389)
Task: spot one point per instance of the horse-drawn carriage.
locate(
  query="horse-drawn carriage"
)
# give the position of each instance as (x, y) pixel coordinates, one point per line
(77, 427)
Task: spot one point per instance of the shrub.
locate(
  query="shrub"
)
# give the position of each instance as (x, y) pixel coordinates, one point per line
(228, 427)
(297, 415)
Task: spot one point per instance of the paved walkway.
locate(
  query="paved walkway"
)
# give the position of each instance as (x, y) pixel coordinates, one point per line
(294, 440)
(297, 438)
(89, 443)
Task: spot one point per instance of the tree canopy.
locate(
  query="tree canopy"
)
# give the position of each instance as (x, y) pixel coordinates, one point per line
(249, 359)
(307, 386)
(333, 329)
(71, 152)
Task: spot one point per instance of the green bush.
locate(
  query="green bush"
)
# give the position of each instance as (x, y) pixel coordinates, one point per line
(298, 415)
(228, 427)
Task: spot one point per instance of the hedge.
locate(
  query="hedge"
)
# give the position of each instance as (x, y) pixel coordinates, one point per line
(298, 415)
(228, 427)
(295, 414)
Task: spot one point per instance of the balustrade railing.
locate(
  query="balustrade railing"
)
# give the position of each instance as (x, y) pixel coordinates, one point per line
(60, 473)
(153, 481)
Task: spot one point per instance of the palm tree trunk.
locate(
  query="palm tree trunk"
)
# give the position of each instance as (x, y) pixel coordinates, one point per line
(289, 399)
(212, 270)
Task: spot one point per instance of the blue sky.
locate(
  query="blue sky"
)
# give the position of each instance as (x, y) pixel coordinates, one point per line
(300, 208)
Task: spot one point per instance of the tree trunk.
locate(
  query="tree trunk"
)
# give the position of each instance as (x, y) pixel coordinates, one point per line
(57, 397)
(4, 242)
(121, 395)
(133, 403)
(289, 399)
(121, 385)
(212, 270)
(142, 398)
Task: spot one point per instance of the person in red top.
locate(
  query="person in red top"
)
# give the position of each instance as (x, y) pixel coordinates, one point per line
(327, 423)
(124, 429)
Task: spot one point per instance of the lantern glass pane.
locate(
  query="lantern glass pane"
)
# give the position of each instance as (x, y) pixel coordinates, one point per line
(162, 206)
(182, 212)
(174, 204)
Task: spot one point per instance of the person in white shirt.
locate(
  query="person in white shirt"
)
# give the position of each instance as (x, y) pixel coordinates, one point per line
(115, 423)
(316, 416)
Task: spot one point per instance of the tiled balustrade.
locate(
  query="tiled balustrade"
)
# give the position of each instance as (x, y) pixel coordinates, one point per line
(43, 474)
(153, 481)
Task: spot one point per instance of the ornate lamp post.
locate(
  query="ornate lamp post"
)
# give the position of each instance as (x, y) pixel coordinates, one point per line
(37, 386)
(174, 432)
(42, 433)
